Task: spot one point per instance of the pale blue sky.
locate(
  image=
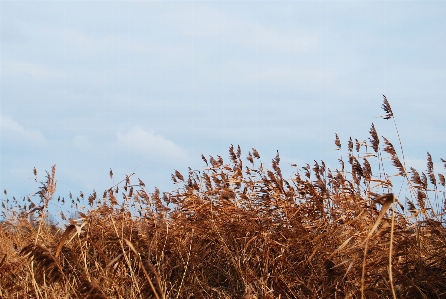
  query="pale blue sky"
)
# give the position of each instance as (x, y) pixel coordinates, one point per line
(94, 85)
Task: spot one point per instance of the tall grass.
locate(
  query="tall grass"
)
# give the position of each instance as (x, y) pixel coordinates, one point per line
(238, 229)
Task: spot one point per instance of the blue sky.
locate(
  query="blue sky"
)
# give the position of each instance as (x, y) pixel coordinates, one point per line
(148, 86)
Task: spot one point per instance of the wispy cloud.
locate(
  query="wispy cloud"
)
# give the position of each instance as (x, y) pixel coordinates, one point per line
(273, 75)
(37, 71)
(13, 133)
(149, 145)
(217, 24)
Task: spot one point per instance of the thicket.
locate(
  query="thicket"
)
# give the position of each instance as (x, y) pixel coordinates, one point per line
(238, 229)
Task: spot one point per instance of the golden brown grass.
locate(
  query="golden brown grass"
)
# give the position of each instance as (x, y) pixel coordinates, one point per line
(236, 230)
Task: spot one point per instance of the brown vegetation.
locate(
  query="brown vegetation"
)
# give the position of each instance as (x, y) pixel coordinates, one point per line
(236, 230)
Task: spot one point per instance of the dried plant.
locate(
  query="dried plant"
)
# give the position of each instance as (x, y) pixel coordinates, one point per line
(44, 262)
(232, 230)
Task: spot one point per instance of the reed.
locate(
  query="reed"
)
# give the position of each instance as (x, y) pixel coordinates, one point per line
(239, 229)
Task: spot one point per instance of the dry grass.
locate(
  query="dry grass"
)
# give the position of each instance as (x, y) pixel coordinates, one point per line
(236, 230)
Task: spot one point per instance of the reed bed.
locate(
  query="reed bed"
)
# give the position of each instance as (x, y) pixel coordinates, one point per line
(239, 229)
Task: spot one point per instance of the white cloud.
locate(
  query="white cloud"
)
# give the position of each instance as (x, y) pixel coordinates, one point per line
(13, 133)
(149, 145)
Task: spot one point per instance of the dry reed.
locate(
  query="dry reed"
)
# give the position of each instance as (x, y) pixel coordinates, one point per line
(235, 230)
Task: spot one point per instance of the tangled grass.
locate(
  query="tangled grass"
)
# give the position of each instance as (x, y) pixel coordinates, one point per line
(235, 230)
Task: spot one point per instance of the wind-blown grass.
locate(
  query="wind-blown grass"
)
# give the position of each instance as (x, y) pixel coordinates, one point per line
(238, 229)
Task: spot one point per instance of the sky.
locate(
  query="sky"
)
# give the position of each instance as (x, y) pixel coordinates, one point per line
(149, 86)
